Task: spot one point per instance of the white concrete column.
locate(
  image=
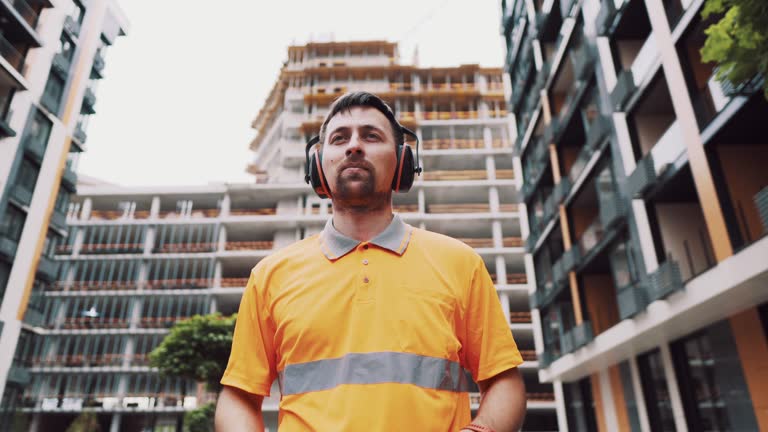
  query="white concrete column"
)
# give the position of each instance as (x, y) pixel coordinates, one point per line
(114, 424)
(497, 235)
(222, 243)
(154, 208)
(637, 387)
(562, 420)
(606, 394)
(674, 390)
(490, 166)
(487, 137)
(504, 299)
(645, 235)
(217, 274)
(85, 211)
(501, 270)
(422, 201)
(493, 199)
(226, 205)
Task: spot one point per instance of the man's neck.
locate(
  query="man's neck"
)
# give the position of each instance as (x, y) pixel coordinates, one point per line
(362, 225)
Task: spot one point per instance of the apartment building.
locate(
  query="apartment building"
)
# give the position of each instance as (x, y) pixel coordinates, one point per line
(645, 213)
(136, 260)
(52, 56)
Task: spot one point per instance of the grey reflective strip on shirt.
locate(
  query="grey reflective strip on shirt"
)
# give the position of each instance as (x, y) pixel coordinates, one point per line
(374, 368)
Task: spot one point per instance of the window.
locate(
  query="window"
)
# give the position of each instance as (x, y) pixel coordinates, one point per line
(579, 406)
(712, 385)
(629, 396)
(5, 273)
(54, 90)
(28, 173)
(38, 131)
(656, 392)
(66, 47)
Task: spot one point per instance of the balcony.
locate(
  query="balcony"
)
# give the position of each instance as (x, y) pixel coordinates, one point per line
(97, 70)
(546, 358)
(520, 317)
(72, 27)
(562, 190)
(185, 248)
(18, 375)
(536, 299)
(566, 343)
(79, 134)
(61, 64)
(582, 334)
(69, 178)
(7, 247)
(623, 91)
(249, 245)
(47, 268)
(233, 282)
(658, 161)
(583, 62)
(631, 300)
(664, 281)
(21, 194)
(173, 284)
(11, 55)
(59, 219)
(89, 102)
(571, 259)
(111, 248)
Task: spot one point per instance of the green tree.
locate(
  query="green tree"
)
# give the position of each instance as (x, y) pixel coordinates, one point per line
(85, 422)
(197, 349)
(738, 42)
(200, 419)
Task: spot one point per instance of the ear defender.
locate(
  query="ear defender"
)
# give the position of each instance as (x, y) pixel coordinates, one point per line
(405, 171)
(313, 169)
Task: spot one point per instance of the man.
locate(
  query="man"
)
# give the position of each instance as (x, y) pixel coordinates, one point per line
(370, 324)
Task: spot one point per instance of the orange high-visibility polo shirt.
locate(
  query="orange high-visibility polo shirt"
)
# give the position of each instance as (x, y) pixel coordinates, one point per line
(370, 336)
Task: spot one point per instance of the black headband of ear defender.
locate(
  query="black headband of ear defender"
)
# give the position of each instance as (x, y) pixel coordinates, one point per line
(313, 170)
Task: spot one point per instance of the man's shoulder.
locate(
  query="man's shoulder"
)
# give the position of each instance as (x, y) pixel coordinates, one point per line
(295, 253)
(442, 243)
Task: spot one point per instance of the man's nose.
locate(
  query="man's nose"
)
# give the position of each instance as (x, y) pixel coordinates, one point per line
(354, 146)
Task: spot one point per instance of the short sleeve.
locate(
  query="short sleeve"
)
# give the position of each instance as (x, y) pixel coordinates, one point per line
(251, 365)
(488, 347)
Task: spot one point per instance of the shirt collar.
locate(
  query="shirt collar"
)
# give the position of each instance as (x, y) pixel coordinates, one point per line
(394, 238)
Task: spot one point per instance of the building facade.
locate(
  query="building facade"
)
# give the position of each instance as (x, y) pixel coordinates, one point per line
(645, 213)
(136, 260)
(52, 55)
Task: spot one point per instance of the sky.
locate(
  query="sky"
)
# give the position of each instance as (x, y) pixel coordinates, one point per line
(182, 87)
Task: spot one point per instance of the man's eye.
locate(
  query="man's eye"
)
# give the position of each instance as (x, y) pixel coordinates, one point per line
(373, 136)
(336, 138)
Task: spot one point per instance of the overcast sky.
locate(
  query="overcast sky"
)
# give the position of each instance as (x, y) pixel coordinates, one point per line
(182, 88)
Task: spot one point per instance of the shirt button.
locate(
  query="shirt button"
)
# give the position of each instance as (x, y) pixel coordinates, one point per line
(365, 279)
(365, 262)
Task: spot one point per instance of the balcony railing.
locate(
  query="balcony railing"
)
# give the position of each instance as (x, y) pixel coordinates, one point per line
(562, 189)
(186, 248)
(266, 211)
(249, 245)
(89, 102)
(7, 247)
(79, 134)
(111, 248)
(233, 282)
(21, 194)
(582, 334)
(78, 323)
(512, 278)
(48, 268)
(61, 65)
(662, 156)
(664, 281)
(69, 178)
(71, 26)
(195, 214)
(528, 355)
(520, 317)
(95, 285)
(11, 55)
(98, 66)
(622, 92)
(59, 219)
(117, 214)
(172, 284)
(455, 175)
(571, 259)
(447, 143)
(631, 300)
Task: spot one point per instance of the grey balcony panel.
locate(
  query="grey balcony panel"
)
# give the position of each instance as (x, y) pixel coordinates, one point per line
(59, 220)
(571, 258)
(584, 62)
(605, 18)
(761, 201)
(89, 102)
(50, 102)
(18, 375)
(61, 65)
(21, 194)
(7, 247)
(550, 209)
(612, 210)
(551, 131)
(534, 300)
(33, 317)
(664, 281)
(97, 71)
(642, 178)
(582, 334)
(631, 300)
(545, 358)
(566, 343)
(597, 132)
(48, 268)
(558, 272)
(71, 26)
(622, 92)
(531, 240)
(80, 135)
(562, 190)
(69, 179)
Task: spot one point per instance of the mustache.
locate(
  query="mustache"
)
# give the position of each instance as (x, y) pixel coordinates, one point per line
(363, 164)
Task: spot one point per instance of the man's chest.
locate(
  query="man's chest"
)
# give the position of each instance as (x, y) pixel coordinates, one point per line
(362, 307)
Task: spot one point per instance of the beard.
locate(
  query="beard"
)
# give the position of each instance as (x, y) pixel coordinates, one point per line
(357, 192)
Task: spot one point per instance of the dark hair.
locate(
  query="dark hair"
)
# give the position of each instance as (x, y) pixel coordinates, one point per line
(350, 100)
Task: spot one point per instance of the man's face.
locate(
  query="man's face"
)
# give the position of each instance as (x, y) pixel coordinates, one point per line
(359, 157)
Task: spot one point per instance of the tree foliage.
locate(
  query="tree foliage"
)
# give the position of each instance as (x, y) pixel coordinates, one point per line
(197, 349)
(200, 419)
(738, 42)
(85, 422)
